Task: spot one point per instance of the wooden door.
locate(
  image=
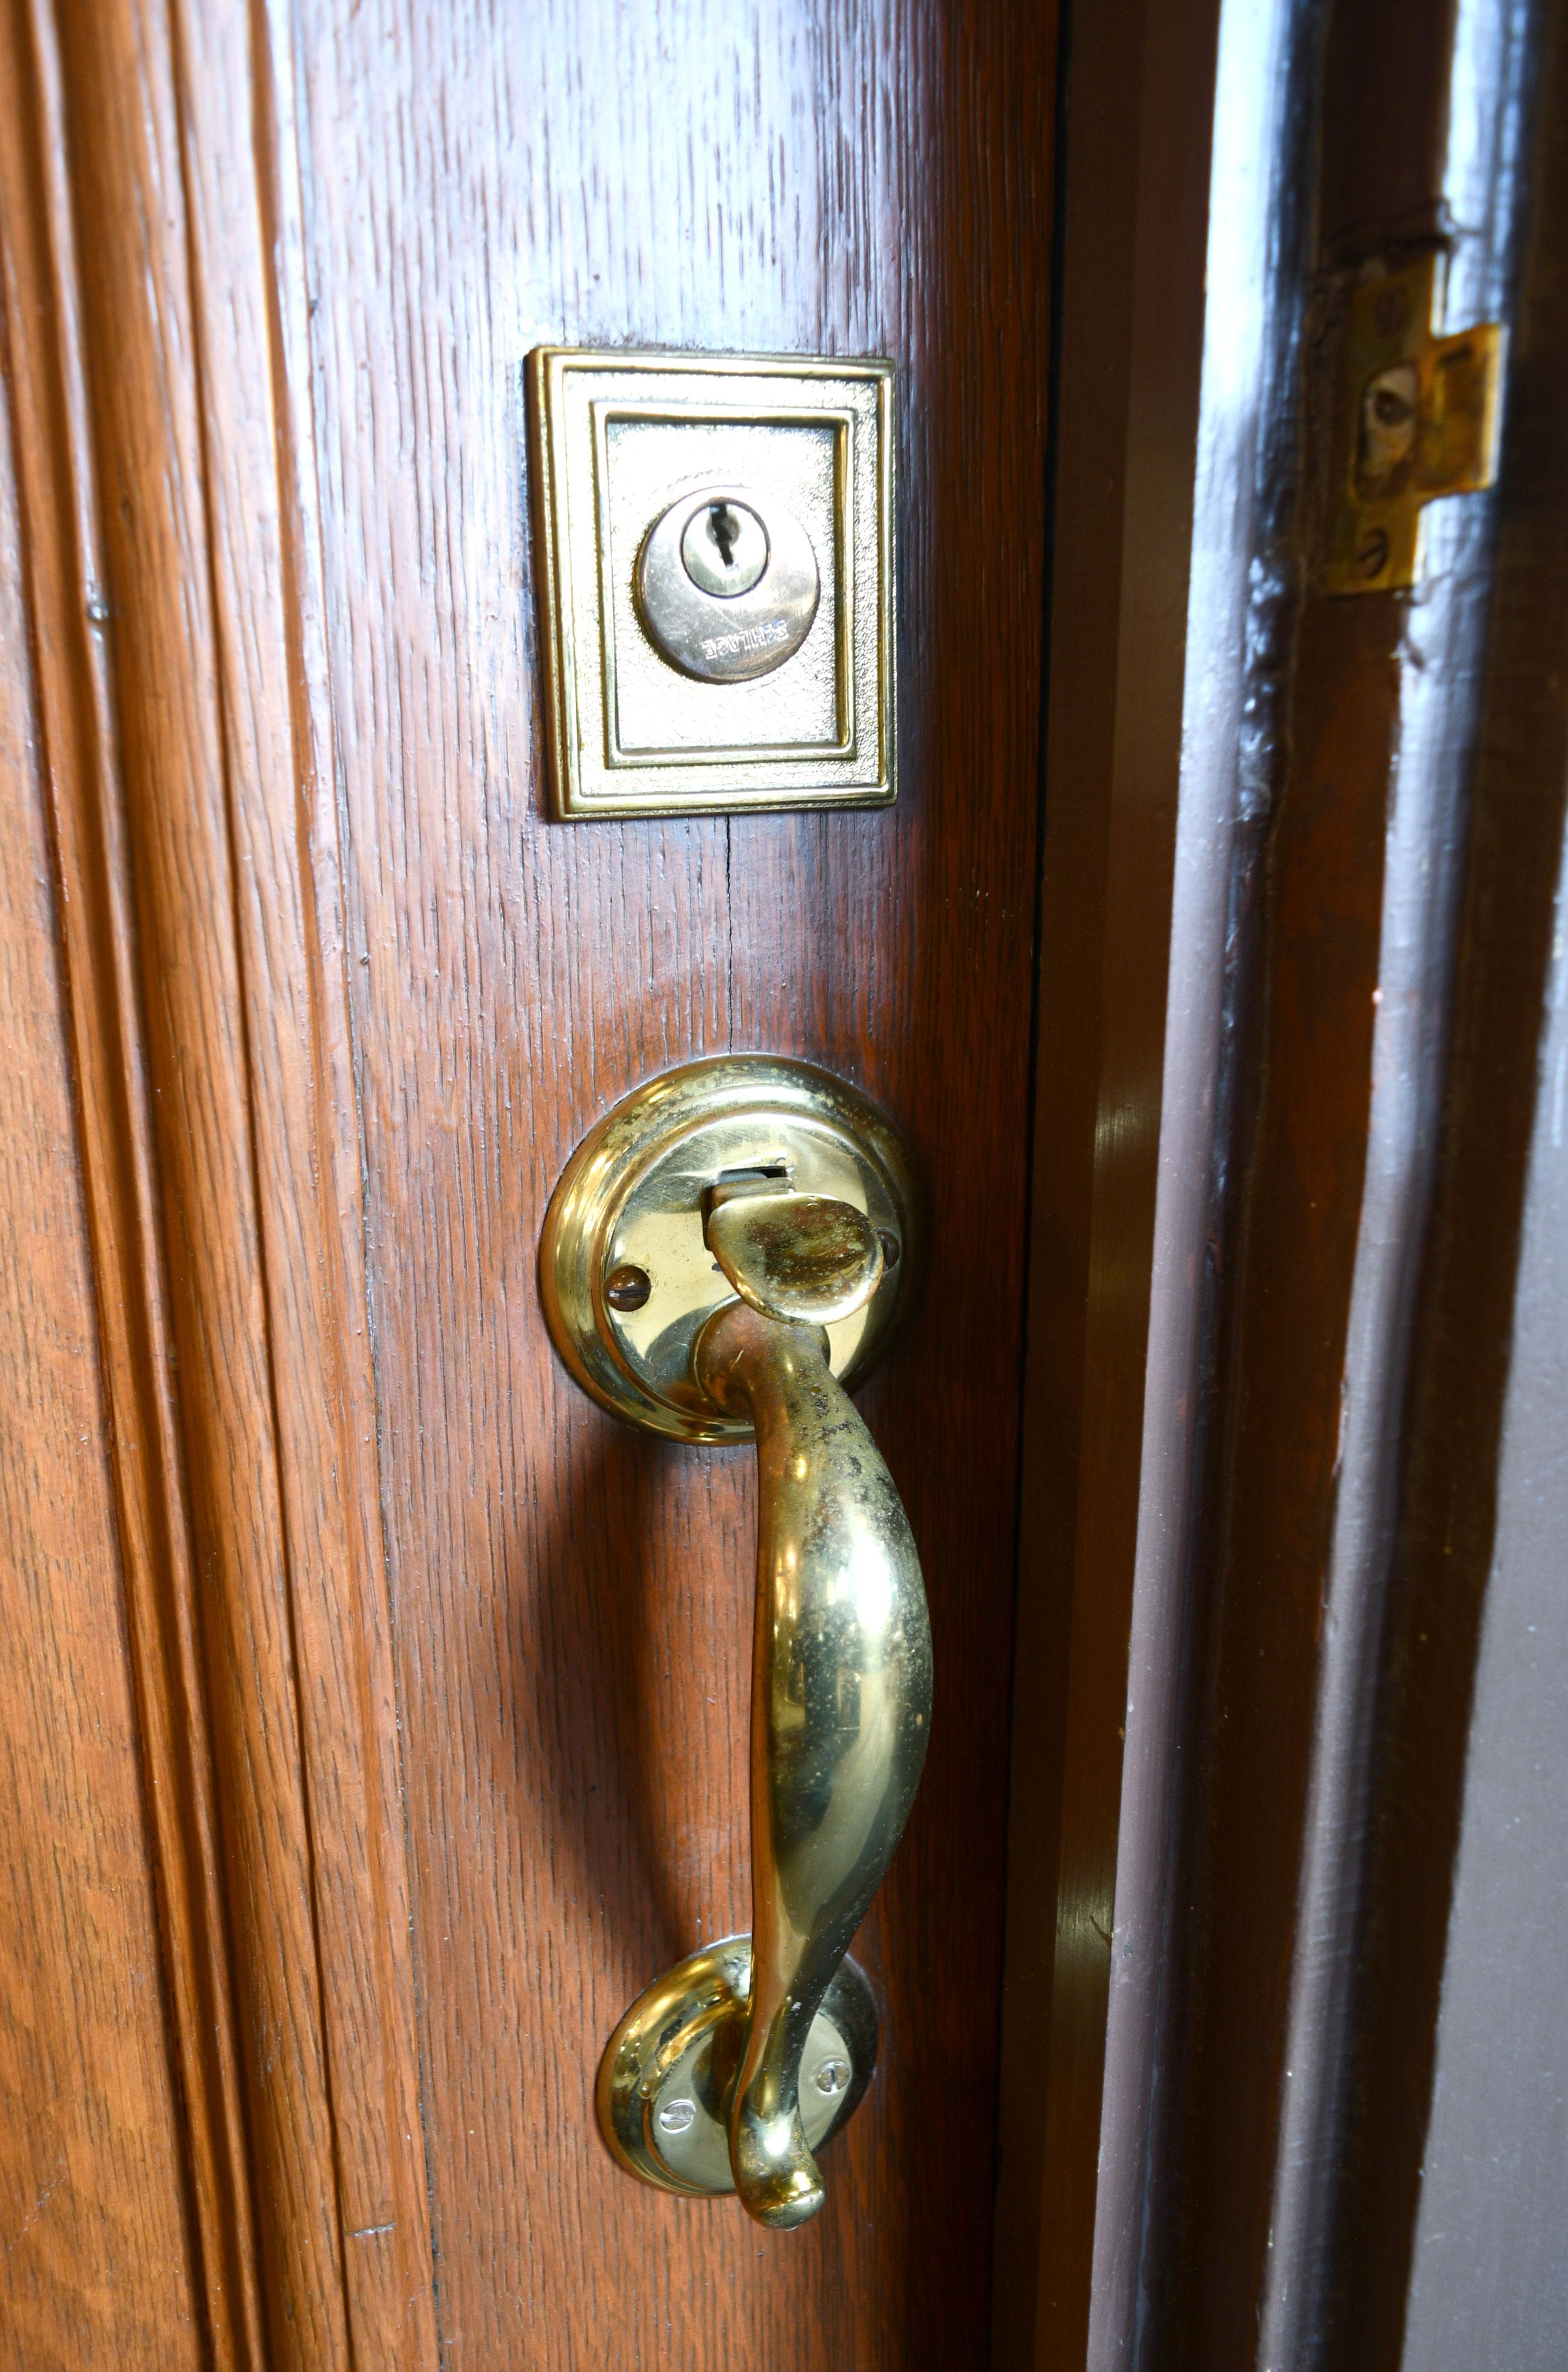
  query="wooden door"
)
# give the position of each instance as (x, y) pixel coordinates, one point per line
(406, 1692)
(372, 1708)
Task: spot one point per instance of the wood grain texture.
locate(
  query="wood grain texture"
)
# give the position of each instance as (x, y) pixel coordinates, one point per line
(62, 573)
(96, 2256)
(175, 518)
(570, 1601)
(266, 314)
(146, 428)
(249, 290)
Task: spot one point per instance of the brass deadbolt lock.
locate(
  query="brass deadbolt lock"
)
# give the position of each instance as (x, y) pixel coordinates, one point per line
(716, 562)
(728, 584)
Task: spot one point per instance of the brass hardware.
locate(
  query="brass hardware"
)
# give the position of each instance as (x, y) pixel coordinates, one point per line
(761, 1200)
(725, 594)
(1416, 420)
(794, 1256)
(633, 455)
(668, 2074)
(632, 1199)
(724, 545)
(841, 1699)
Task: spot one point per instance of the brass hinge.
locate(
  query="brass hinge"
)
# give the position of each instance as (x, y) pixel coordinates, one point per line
(1416, 417)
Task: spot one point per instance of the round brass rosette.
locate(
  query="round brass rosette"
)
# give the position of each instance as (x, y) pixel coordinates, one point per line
(633, 1206)
(666, 2079)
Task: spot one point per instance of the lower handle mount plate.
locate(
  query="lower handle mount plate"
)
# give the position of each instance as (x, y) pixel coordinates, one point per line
(669, 2071)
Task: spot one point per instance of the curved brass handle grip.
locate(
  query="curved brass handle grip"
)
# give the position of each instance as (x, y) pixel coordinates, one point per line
(755, 1177)
(840, 1704)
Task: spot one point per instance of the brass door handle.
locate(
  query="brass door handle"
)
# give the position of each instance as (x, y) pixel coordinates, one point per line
(728, 2071)
(841, 1705)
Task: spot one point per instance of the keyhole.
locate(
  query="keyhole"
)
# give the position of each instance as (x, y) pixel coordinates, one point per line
(723, 547)
(723, 530)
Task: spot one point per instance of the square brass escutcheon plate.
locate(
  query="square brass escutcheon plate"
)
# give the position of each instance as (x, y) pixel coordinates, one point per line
(618, 437)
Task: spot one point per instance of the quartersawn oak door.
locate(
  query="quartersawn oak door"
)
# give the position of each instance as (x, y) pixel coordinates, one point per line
(441, 1679)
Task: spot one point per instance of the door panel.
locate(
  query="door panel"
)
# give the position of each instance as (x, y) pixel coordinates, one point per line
(571, 1603)
(92, 2186)
(441, 1678)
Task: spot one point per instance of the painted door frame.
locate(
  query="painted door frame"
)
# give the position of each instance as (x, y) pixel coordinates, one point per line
(1296, 1334)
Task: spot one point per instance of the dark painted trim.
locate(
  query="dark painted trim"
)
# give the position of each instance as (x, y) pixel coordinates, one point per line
(1465, 1409)
(1292, 907)
(1138, 93)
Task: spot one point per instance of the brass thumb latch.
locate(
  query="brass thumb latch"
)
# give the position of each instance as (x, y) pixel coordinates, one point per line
(727, 1244)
